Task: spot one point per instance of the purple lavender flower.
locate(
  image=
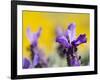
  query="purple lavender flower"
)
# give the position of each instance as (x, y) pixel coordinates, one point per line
(69, 38)
(33, 38)
(69, 41)
(37, 56)
(26, 63)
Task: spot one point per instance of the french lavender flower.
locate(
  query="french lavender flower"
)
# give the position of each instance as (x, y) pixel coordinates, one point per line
(70, 43)
(38, 58)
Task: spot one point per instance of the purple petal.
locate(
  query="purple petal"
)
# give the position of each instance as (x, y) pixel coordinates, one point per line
(81, 39)
(63, 40)
(33, 37)
(39, 32)
(71, 31)
(26, 63)
(29, 34)
(59, 31)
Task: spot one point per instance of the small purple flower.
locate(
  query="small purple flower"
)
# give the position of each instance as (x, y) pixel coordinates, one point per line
(26, 63)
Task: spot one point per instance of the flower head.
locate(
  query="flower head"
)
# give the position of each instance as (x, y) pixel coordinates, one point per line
(38, 57)
(69, 39)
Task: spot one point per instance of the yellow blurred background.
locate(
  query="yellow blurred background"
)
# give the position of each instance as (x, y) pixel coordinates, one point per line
(48, 21)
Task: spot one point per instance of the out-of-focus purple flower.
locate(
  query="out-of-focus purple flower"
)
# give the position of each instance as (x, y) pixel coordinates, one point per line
(33, 38)
(26, 63)
(38, 58)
